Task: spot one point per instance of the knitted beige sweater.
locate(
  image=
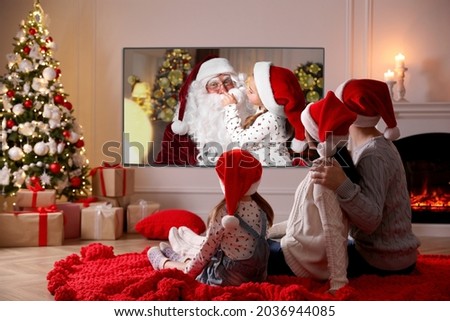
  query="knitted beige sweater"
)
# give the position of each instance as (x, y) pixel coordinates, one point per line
(315, 240)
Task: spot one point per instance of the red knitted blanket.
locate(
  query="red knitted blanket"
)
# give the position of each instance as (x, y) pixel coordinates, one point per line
(98, 274)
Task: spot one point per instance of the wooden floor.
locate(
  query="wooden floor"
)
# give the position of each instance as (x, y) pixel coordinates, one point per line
(23, 271)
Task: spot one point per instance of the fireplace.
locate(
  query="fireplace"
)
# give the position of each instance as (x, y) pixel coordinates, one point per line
(426, 158)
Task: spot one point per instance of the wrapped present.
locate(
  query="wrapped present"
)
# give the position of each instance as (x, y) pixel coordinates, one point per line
(101, 222)
(31, 228)
(136, 212)
(120, 201)
(113, 181)
(31, 198)
(72, 219)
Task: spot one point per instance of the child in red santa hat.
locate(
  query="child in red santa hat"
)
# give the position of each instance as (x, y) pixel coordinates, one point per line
(378, 207)
(279, 98)
(235, 248)
(313, 241)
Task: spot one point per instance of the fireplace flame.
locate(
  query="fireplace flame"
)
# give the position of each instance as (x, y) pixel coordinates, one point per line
(436, 200)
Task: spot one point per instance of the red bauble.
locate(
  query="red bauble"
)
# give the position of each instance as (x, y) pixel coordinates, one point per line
(44, 49)
(26, 50)
(68, 105)
(79, 143)
(27, 103)
(10, 123)
(59, 99)
(75, 181)
(49, 39)
(10, 93)
(55, 168)
(66, 133)
(58, 72)
(32, 31)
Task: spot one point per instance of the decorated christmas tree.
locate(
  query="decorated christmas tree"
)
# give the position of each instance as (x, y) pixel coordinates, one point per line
(41, 142)
(171, 75)
(310, 77)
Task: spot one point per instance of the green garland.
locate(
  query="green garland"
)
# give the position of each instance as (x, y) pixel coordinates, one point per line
(310, 77)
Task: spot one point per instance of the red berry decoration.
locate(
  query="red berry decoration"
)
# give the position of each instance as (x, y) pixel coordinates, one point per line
(59, 99)
(10, 93)
(27, 103)
(55, 168)
(10, 123)
(75, 181)
(68, 105)
(79, 143)
(26, 50)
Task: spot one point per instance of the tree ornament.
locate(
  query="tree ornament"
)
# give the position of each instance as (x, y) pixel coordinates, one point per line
(55, 168)
(66, 133)
(49, 74)
(32, 31)
(75, 181)
(26, 50)
(40, 149)
(68, 105)
(10, 93)
(15, 153)
(28, 103)
(58, 99)
(58, 72)
(79, 143)
(35, 181)
(10, 123)
(27, 148)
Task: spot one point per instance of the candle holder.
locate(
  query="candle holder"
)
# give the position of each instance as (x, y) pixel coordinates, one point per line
(400, 71)
(390, 84)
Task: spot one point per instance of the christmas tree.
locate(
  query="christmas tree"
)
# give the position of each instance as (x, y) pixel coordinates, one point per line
(42, 143)
(310, 77)
(171, 75)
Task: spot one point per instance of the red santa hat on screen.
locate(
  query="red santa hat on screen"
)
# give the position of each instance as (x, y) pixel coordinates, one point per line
(327, 121)
(371, 100)
(281, 94)
(209, 68)
(239, 174)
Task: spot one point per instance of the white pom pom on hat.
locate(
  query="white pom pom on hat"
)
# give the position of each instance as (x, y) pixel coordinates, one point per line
(371, 100)
(239, 174)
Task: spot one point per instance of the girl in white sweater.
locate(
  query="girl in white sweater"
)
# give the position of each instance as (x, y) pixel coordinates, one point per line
(314, 239)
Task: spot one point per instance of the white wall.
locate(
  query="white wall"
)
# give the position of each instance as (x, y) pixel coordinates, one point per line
(360, 39)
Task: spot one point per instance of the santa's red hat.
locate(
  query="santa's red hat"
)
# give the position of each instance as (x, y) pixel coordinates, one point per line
(239, 173)
(210, 67)
(327, 121)
(370, 99)
(281, 94)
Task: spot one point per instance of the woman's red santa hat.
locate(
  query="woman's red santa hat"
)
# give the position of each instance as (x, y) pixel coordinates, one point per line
(209, 68)
(327, 121)
(370, 99)
(281, 94)
(239, 174)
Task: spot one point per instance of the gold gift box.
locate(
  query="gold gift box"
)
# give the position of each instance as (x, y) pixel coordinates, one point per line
(28, 198)
(24, 228)
(101, 223)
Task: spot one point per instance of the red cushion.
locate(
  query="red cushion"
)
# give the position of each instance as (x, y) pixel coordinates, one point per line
(157, 225)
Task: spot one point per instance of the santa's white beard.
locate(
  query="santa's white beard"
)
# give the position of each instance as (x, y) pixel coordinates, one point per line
(205, 117)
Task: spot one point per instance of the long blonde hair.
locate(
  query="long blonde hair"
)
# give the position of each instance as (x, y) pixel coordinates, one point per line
(259, 200)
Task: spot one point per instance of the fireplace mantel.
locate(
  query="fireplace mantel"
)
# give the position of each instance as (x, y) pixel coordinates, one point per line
(419, 118)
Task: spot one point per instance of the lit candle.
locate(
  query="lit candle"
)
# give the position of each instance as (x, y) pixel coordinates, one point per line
(399, 61)
(389, 75)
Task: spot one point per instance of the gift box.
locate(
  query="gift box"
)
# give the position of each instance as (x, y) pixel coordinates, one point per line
(112, 181)
(136, 212)
(32, 199)
(72, 219)
(31, 228)
(101, 223)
